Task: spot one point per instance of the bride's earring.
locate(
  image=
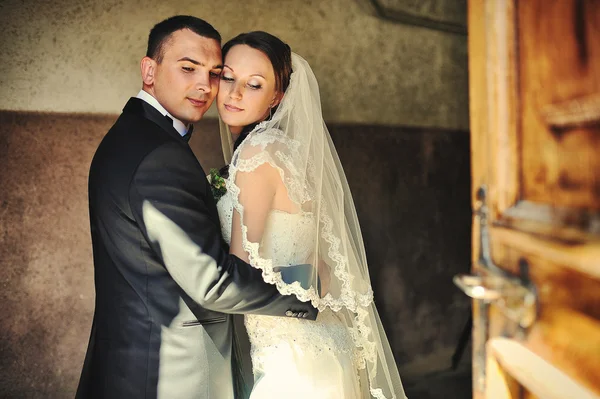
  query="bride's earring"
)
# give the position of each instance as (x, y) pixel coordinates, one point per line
(270, 112)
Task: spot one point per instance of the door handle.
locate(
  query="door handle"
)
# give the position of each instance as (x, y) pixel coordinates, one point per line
(516, 300)
(514, 295)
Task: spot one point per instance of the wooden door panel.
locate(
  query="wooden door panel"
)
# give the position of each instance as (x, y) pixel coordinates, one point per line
(558, 80)
(515, 371)
(534, 92)
(567, 330)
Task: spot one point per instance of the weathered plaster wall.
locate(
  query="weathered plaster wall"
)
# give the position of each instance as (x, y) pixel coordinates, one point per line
(83, 56)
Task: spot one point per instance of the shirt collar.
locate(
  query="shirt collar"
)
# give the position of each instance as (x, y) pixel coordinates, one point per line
(177, 124)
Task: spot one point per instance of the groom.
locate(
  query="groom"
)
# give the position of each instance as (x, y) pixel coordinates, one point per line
(165, 283)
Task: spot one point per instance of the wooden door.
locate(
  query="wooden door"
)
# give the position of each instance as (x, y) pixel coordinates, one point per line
(534, 73)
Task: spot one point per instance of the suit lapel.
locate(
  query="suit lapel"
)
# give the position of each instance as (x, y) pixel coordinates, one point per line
(142, 108)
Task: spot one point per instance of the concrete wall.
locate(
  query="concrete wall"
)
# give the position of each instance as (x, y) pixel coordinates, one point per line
(83, 56)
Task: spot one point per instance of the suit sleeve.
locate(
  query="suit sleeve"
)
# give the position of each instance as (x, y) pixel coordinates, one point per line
(168, 197)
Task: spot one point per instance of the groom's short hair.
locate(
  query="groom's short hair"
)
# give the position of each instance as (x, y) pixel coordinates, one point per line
(161, 32)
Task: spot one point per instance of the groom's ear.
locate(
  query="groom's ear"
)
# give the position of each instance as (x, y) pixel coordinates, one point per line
(148, 68)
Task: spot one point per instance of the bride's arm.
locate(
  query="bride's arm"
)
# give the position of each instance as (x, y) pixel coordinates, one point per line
(257, 192)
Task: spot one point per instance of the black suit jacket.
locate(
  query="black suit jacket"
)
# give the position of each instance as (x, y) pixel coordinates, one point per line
(165, 283)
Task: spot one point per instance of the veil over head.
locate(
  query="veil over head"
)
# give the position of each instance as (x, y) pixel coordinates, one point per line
(296, 143)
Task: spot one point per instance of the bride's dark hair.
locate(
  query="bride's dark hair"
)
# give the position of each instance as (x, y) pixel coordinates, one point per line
(280, 55)
(276, 50)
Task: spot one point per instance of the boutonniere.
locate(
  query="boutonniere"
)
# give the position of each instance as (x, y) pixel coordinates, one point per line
(217, 184)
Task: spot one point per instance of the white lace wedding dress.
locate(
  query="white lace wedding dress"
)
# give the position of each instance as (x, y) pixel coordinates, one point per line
(291, 357)
(345, 352)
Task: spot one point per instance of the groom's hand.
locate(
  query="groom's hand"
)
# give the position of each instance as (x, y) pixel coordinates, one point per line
(303, 273)
(307, 276)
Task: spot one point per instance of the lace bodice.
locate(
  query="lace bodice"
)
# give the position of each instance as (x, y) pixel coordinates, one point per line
(287, 240)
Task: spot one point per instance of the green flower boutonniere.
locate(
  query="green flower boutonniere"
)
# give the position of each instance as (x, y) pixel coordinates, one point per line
(217, 184)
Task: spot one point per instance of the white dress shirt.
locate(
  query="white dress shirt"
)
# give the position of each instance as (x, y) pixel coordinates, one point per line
(177, 124)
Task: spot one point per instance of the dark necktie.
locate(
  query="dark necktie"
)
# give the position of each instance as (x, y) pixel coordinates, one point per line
(186, 136)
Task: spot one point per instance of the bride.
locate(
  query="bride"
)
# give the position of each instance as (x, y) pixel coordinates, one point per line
(287, 210)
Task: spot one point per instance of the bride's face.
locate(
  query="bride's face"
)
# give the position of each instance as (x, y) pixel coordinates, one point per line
(247, 88)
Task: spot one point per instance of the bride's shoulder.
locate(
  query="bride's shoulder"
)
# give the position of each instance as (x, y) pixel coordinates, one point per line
(264, 136)
(270, 140)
